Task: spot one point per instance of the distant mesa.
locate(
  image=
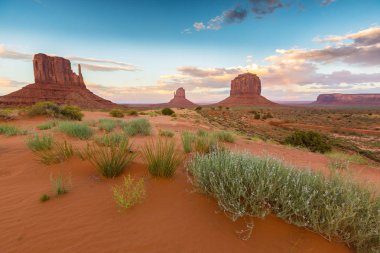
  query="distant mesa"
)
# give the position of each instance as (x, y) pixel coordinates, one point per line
(55, 81)
(245, 90)
(180, 99)
(348, 99)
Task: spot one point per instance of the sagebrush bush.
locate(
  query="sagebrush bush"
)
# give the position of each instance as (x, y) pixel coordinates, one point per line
(44, 108)
(333, 206)
(59, 153)
(117, 113)
(110, 139)
(167, 111)
(110, 161)
(137, 126)
(161, 157)
(47, 125)
(225, 136)
(9, 130)
(77, 130)
(313, 141)
(167, 133)
(37, 143)
(108, 124)
(187, 141)
(71, 112)
(129, 193)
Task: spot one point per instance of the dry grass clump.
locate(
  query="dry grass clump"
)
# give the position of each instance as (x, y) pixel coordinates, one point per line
(167, 133)
(110, 161)
(187, 141)
(334, 206)
(108, 124)
(110, 139)
(137, 126)
(81, 131)
(9, 130)
(47, 125)
(60, 184)
(37, 143)
(117, 113)
(202, 142)
(225, 136)
(59, 153)
(162, 157)
(129, 193)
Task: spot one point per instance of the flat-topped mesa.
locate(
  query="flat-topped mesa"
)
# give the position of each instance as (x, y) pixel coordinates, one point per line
(348, 99)
(55, 70)
(246, 84)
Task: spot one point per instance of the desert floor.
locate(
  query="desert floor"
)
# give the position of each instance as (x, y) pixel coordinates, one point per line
(172, 218)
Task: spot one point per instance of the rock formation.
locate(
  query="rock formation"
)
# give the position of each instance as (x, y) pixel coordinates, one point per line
(56, 82)
(348, 99)
(180, 100)
(245, 90)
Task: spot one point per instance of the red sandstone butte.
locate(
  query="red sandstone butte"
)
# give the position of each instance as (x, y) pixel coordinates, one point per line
(180, 100)
(245, 90)
(55, 81)
(348, 99)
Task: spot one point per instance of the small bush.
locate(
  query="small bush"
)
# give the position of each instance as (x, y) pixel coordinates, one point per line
(257, 116)
(117, 113)
(9, 130)
(130, 193)
(187, 141)
(6, 115)
(132, 112)
(198, 108)
(77, 130)
(313, 141)
(161, 157)
(59, 153)
(205, 143)
(167, 133)
(45, 108)
(167, 111)
(60, 184)
(110, 139)
(137, 126)
(44, 197)
(225, 136)
(47, 125)
(107, 124)
(110, 161)
(37, 143)
(71, 112)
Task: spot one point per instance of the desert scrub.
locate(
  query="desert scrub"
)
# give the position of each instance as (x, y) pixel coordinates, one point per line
(108, 124)
(225, 136)
(47, 125)
(44, 108)
(60, 184)
(167, 111)
(37, 143)
(352, 158)
(161, 157)
(137, 126)
(77, 130)
(9, 130)
(117, 113)
(110, 161)
(334, 206)
(167, 133)
(187, 141)
(132, 112)
(59, 153)
(110, 139)
(205, 143)
(6, 115)
(71, 112)
(313, 141)
(44, 198)
(129, 193)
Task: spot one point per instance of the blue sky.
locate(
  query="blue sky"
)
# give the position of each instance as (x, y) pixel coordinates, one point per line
(200, 45)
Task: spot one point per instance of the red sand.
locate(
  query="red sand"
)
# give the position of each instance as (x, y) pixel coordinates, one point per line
(172, 218)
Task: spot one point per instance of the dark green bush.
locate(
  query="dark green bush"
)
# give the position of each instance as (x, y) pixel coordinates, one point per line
(199, 108)
(313, 141)
(71, 112)
(117, 113)
(167, 111)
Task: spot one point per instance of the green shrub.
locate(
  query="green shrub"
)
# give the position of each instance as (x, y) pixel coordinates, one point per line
(110, 139)
(187, 141)
(313, 141)
(59, 153)
(205, 143)
(44, 197)
(107, 124)
(77, 130)
(117, 113)
(137, 126)
(45, 108)
(225, 136)
(71, 112)
(132, 112)
(110, 161)
(46, 125)
(60, 184)
(6, 115)
(167, 133)
(130, 193)
(9, 130)
(37, 143)
(161, 157)
(333, 206)
(167, 111)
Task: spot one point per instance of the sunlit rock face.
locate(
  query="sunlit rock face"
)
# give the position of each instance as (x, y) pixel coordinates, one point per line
(348, 99)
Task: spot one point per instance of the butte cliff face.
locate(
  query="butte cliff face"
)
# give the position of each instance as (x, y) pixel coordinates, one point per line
(180, 100)
(348, 99)
(55, 81)
(245, 90)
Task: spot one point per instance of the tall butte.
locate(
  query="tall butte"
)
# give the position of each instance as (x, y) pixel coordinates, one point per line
(180, 100)
(55, 81)
(245, 90)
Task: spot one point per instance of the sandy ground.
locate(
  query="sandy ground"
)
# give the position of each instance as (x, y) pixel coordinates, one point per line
(172, 218)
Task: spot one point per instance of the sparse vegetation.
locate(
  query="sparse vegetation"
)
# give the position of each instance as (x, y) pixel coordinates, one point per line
(44, 198)
(137, 126)
(81, 131)
(6, 115)
(225, 136)
(9, 130)
(132, 112)
(198, 108)
(71, 112)
(117, 113)
(60, 184)
(59, 153)
(107, 124)
(37, 143)
(313, 141)
(162, 157)
(205, 143)
(333, 206)
(167, 133)
(45, 108)
(167, 111)
(187, 141)
(110, 139)
(47, 125)
(129, 193)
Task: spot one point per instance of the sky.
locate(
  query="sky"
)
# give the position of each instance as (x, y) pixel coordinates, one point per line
(138, 51)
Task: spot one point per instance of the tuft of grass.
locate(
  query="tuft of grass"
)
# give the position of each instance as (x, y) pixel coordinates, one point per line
(201, 133)
(37, 143)
(167, 133)
(9, 130)
(77, 130)
(334, 206)
(225, 136)
(110, 161)
(60, 184)
(44, 198)
(187, 141)
(132, 112)
(129, 193)
(352, 158)
(205, 143)
(107, 124)
(137, 126)
(59, 153)
(47, 125)
(339, 164)
(117, 113)
(161, 157)
(110, 139)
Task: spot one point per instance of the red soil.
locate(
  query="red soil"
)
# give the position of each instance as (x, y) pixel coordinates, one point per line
(172, 218)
